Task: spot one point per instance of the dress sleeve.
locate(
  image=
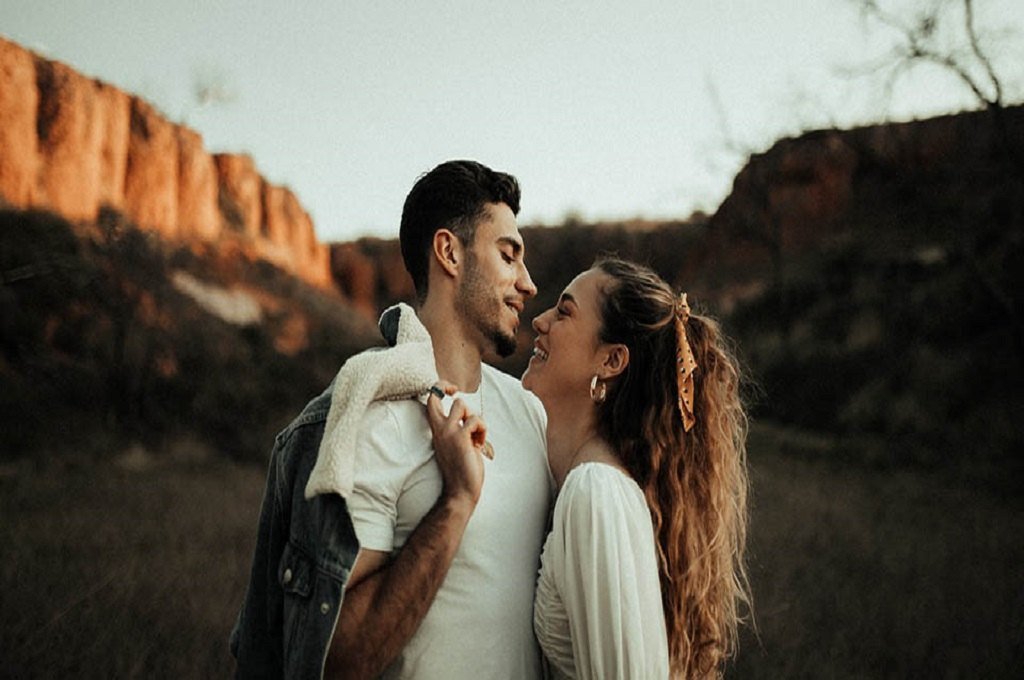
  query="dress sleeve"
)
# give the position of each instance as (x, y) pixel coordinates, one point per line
(610, 584)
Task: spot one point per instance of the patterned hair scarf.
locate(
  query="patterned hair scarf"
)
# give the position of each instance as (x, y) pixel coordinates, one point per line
(687, 364)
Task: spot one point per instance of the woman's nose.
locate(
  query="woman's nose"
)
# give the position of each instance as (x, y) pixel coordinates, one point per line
(540, 322)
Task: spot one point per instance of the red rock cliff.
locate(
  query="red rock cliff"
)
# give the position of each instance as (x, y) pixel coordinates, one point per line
(72, 144)
(807, 191)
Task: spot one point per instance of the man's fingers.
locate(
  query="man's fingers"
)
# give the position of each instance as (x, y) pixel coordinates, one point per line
(477, 430)
(435, 416)
(458, 413)
(446, 387)
(459, 419)
(475, 425)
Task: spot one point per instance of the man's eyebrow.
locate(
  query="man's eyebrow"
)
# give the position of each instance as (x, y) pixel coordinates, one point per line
(567, 297)
(517, 246)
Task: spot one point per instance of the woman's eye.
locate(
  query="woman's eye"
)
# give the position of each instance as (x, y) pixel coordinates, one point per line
(505, 256)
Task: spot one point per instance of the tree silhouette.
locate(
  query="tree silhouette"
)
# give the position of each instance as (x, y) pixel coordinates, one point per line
(945, 34)
(924, 37)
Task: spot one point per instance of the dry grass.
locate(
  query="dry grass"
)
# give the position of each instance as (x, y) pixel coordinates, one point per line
(110, 573)
(868, 574)
(137, 571)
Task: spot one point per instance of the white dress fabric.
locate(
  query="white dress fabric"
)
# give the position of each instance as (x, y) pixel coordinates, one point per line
(597, 608)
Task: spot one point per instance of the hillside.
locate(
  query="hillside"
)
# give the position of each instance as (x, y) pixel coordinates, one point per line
(881, 272)
(112, 339)
(74, 146)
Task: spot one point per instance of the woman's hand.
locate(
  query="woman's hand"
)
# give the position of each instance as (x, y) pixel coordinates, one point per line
(460, 441)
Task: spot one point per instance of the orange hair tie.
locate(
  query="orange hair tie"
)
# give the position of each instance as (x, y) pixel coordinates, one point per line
(687, 365)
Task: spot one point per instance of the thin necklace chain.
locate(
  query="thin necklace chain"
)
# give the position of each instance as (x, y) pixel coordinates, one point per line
(481, 394)
(488, 447)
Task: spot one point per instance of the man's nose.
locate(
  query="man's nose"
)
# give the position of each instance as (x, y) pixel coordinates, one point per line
(525, 284)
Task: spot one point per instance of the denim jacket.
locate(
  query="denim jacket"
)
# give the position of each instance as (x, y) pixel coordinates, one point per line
(304, 554)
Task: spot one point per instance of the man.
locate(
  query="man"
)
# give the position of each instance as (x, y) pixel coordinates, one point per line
(448, 545)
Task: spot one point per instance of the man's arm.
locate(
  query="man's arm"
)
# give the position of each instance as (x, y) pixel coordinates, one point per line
(381, 612)
(385, 603)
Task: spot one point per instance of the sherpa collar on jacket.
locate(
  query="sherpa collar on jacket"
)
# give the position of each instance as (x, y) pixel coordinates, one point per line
(403, 371)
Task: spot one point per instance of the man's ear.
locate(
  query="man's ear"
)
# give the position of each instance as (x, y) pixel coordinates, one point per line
(615, 361)
(447, 250)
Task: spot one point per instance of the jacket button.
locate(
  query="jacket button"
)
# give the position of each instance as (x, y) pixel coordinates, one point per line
(324, 608)
(287, 575)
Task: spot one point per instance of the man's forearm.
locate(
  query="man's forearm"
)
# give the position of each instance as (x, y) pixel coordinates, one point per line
(381, 613)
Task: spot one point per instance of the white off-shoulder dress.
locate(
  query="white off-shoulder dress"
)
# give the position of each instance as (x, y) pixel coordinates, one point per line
(597, 609)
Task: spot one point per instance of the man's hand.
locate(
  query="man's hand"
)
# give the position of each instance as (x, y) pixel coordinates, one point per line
(460, 441)
(387, 600)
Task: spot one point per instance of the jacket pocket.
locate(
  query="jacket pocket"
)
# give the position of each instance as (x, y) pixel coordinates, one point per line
(295, 575)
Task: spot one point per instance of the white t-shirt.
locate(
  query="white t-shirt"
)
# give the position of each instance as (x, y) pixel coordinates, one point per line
(480, 625)
(598, 612)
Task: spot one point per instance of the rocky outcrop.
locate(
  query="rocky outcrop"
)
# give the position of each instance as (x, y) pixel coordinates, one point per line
(288, 233)
(356, 274)
(74, 145)
(371, 274)
(114, 107)
(19, 104)
(198, 216)
(807, 191)
(239, 194)
(69, 136)
(151, 182)
(804, 188)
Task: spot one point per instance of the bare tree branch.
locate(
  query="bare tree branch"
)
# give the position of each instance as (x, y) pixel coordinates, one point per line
(917, 44)
(983, 59)
(722, 116)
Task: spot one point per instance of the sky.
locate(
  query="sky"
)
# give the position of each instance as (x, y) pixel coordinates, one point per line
(603, 110)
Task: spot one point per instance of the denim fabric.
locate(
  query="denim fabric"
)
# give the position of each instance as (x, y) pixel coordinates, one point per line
(304, 554)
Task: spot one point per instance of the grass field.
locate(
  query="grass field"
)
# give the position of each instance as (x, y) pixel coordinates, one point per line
(123, 573)
(135, 569)
(870, 574)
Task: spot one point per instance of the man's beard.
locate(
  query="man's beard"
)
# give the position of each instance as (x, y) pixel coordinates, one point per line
(504, 344)
(479, 306)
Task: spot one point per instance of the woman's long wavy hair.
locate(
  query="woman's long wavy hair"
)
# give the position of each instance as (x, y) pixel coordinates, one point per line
(695, 482)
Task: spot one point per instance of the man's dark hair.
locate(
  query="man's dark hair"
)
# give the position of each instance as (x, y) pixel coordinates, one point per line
(451, 196)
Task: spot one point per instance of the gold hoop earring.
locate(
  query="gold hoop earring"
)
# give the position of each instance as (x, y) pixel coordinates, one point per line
(598, 390)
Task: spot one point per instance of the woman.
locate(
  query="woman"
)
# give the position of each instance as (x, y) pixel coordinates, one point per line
(642, 574)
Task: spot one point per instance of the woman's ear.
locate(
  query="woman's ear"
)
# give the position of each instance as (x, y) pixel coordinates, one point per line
(615, 361)
(447, 251)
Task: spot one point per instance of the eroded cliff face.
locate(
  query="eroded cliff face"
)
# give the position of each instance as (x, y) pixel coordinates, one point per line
(371, 274)
(72, 145)
(805, 188)
(823, 186)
